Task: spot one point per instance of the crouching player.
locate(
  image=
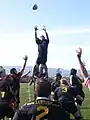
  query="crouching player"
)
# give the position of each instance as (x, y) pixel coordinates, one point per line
(65, 95)
(43, 108)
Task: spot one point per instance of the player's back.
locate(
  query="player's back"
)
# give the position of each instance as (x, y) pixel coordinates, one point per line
(6, 95)
(41, 112)
(65, 93)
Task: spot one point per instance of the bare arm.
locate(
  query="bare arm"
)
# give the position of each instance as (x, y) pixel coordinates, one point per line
(82, 66)
(47, 36)
(36, 35)
(22, 70)
(36, 38)
(26, 74)
(46, 33)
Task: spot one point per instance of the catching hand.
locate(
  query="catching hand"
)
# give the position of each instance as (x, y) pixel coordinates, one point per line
(25, 58)
(44, 28)
(36, 28)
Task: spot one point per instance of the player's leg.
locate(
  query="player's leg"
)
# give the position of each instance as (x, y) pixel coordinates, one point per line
(75, 110)
(36, 67)
(43, 68)
(1, 112)
(16, 116)
(35, 71)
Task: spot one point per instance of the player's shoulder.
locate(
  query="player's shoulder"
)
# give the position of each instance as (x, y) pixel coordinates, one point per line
(28, 107)
(9, 76)
(28, 104)
(87, 78)
(33, 108)
(87, 81)
(2, 83)
(57, 89)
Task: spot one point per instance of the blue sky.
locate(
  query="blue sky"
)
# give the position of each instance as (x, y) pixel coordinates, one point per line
(67, 22)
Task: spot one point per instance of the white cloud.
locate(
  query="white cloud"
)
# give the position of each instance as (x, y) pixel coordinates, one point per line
(68, 31)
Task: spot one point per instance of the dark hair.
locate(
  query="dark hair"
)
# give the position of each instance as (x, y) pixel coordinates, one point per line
(42, 88)
(12, 70)
(73, 71)
(58, 75)
(64, 81)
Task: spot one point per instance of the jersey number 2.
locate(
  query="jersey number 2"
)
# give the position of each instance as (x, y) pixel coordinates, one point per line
(38, 117)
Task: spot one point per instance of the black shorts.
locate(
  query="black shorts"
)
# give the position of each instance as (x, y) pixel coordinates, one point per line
(41, 60)
(7, 111)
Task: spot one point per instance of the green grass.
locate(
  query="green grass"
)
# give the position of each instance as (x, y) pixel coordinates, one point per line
(85, 109)
(26, 91)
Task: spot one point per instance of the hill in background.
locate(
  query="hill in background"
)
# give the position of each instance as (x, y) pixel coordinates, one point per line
(51, 71)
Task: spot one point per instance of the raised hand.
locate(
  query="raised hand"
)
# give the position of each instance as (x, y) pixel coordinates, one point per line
(36, 28)
(25, 58)
(79, 52)
(44, 28)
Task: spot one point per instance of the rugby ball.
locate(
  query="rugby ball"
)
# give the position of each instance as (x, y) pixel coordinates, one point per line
(35, 7)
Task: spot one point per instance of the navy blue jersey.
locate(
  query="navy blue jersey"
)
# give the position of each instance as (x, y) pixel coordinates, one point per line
(40, 112)
(65, 93)
(42, 47)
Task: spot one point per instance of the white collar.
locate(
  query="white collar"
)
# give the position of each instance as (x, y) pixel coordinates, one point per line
(42, 98)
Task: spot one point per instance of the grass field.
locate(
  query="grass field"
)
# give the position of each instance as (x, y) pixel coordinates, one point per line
(27, 95)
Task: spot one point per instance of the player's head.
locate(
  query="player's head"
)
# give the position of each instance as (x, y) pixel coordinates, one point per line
(58, 76)
(42, 89)
(42, 37)
(64, 82)
(73, 71)
(13, 71)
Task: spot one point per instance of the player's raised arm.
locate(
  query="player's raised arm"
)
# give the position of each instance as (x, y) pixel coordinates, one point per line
(83, 69)
(82, 66)
(36, 38)
(44, 28)
(25, 59)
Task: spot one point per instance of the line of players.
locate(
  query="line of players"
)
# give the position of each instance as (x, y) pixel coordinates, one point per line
(59, 95)
(54, 101)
